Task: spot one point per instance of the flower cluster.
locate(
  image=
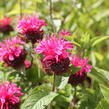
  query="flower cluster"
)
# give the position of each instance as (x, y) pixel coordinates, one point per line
(56, 57)
(12, 52)
(31, 27)
(64, 33)
(79, 76)
(56, 53)
(5, 25)
(9, 96)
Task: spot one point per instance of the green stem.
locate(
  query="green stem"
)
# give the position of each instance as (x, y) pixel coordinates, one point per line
(72, 103)
(4, 76)
(54, 78)
(20, 6)
(53, 89)
(36, 6)
(4, 3)
(74, 97)
(75, 90)
(51, 14)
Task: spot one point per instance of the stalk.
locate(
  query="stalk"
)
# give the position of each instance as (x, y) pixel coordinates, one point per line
(54, 78)
(51, 14)
(4, 3)
(72, 103)
(20, 6)
(53, 89)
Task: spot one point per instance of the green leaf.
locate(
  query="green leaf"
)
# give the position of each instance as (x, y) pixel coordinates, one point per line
(99, 75)
(93, 58)
(38, 1)
(105, 92)
(43, 102)
(103, 72)
(99, 56)
(64, 82)
(100, 39)
(85, 40)
(75, 43)
(15, 10)
(103, 104)
(37, 94)
(90, 98)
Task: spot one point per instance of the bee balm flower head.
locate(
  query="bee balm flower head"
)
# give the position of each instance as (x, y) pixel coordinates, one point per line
(12, 52)
(31, 28)
(64, 33)
(55, 54)
(9, 96)
(80, 75)
(83, 63)
(5, 25)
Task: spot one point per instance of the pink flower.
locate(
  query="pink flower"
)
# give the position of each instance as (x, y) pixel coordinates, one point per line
(83, 63)
(56, 57)
(54, 48)
(5, 21)
(9, 95)
(64, 33)
(28, 23)
(31, 27)
(80, 75)
(27, 63)
(12, 52)
(52, 66)
(77, 78)
(5, 25)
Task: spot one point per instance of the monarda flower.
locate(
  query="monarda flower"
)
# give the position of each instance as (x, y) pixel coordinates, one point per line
(55, 54)
(81, 75)
(64, 33)
(5, 25)
(12, 52)
(82, 63)
(31, 27)
(27, 64)
(9, 96)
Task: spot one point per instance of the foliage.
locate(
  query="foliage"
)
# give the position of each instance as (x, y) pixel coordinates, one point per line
(88, 22)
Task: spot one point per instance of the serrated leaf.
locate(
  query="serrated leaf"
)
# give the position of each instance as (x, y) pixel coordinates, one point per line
(37, 94)
(105, 92)
(103, 104)
(98, 75)
(103, 72)
(63, 82)
(43, 102)
(100, 39)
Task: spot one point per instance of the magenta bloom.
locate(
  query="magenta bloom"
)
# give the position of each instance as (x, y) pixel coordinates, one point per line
(54, 48)
(77, 78)
(31, 27)
(83, 63)
(55, 54)
(64, 33)
(9, 95)
(5, 25)
(12, 52)
(81, 75)
(27, 63)
(60, 67)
